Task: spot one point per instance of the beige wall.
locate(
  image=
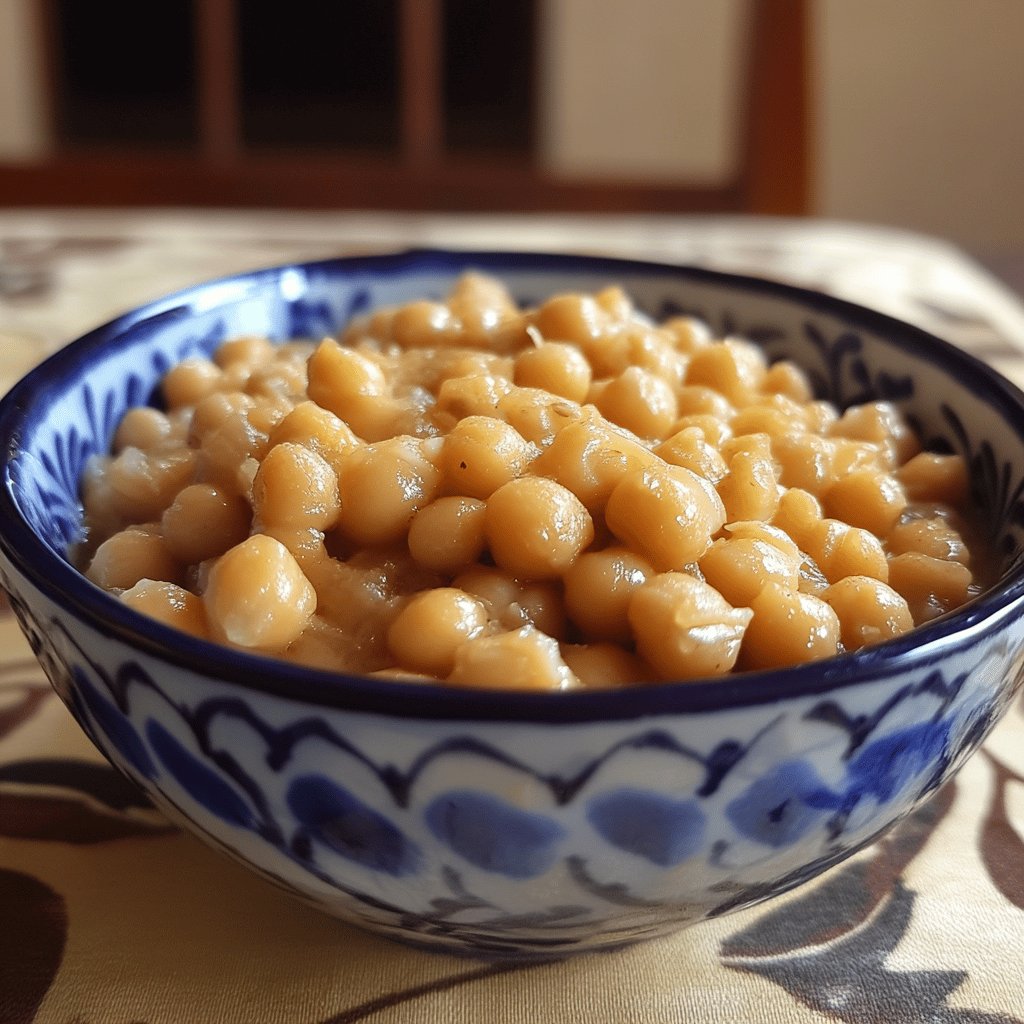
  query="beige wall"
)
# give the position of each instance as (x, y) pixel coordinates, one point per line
(921, 115)
(641, 88)
(23, 133)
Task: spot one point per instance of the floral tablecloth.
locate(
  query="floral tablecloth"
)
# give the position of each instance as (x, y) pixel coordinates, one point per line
(110, 914)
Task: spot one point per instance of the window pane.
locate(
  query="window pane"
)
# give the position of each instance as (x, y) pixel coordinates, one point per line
(320, 75)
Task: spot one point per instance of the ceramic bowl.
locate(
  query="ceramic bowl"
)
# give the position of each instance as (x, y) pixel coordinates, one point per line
(516, 823)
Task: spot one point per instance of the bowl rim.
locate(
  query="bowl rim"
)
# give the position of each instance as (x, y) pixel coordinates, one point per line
(926, 645)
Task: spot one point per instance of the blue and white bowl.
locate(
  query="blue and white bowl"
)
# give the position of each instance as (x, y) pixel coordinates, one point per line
(516, 823)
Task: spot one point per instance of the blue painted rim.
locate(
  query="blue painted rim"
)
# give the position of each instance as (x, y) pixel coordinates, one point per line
(57, 579)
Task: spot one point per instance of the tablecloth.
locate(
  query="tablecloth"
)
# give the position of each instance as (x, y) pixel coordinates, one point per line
(110, 914)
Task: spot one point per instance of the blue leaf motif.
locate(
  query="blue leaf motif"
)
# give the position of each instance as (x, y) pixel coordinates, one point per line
(884, 767)
(197, 780)
(781, 806)
(651, 825)
(493, 835)
(340, 821)
(115, 725)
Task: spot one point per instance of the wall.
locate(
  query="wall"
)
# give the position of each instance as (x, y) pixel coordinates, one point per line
(646, 89)
(919, 116)
(23, 133)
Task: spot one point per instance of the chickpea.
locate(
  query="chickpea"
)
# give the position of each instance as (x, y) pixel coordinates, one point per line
(843, 550)
(257, 596)
(739, 568)
(481, 453)
(869, 611)
(641, 402)
(934, 536)
(431, 627)
(295, 487)
(204, 521)
(448, 534)
(750, 490)
(190, 381)
(868, 499)
(668, 514)
(605, 666)
(555, 367)
(134, 554)
(537, 416)
(599, 587)
(786, 378)
(688, 448)
(788, 628)
(169, 604)
(523, 660)
(589, 457)
(536, 528)
(144, 484)
(142, 428)
(932, 586)
(382, 486)
(931, 477)
(319, 430)
(512, 603)
(459, 397)
(733, 367)
(684, 628)
(575, 318)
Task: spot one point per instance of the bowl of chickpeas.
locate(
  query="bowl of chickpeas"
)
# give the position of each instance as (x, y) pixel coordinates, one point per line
(520, 604)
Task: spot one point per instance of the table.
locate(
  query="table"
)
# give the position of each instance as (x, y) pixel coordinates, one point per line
(109, 914)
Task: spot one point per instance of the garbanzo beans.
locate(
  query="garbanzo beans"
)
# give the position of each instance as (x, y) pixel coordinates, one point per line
(548, 498)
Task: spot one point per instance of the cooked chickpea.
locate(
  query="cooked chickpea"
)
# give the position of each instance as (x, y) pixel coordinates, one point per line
(257, 596)
(668, 514)
(605, 666)
(224, 519)
(431, 627)
(382, 486)
(732, 367)
(598, 588)
(480, 453)
(684, 628)
(932, 586)
(590, 457)
(932, 477)
(523, 660)
(144, 484)
(513, 603)
(142, 428)
(535, 528)
(739, 568)
(447, 535)
(750, 490)
(319, 430)
(868, 499)
(134, 554)
(641, 402)
(933, 536)
(789, 628)
(869, 611)
(169, 604)
(538, 416)
(190, 381)
(688, 448)
(555, 367)
(295, 487)
(843, 550)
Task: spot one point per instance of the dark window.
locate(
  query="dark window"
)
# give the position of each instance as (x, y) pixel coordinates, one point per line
(322, 75)
(124, 72)
(489, 75)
